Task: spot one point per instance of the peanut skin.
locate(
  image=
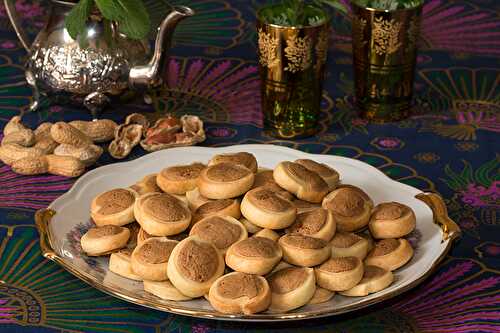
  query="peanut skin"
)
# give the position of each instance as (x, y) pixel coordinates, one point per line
(101, 130)
(66, 166)
(88, 155)
(13, 125)
(43, 139)
(24, 137)
(62, 132)
(11, 152)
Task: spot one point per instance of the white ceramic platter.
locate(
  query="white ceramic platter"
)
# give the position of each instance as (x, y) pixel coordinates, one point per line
(67, 219)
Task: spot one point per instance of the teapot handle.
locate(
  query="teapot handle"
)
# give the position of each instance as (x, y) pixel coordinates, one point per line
(10, 8)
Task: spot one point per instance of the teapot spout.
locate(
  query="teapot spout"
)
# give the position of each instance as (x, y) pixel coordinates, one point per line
(149, 75)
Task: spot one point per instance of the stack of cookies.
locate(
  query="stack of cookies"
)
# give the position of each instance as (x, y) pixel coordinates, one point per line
(249, 239)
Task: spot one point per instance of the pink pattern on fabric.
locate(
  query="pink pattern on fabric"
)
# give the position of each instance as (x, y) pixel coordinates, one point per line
(480, 196)
(434, 308)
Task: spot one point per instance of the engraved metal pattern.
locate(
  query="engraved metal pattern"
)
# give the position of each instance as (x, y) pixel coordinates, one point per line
(80, 71)
(104, 64)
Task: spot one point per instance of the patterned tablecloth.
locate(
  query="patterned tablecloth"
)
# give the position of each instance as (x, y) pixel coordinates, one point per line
(450, 145)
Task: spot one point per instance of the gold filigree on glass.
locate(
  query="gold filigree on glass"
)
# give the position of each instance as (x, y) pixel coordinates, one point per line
(386, 35)
(384, 57)
(291, 67)
(268, 48)
(298, 53)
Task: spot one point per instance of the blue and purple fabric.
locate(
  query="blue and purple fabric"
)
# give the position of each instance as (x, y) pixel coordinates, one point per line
(451, 145)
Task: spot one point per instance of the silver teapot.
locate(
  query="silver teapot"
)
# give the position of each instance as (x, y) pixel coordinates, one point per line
(105, 66)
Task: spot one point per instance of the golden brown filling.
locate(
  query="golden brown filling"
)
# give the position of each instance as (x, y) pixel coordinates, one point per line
(146, 185)
(245, 159)
(304, 242)
(337, 265)
(125, 252)
(155, 251)
(164, 207)
(286, 280)
(214, 206)
(269, 200)
(142, 235)
(345, 239)
(301, 204)
(389, 211)
(300, 173)
(105, 230)
(320, 168)
(347, 203)
(218, 231)
(238, 285)
(197, 261)
(263, 178)
(226, 172)
(384, 247)
(183, 172)
(373, 272)
(256, 247)
(114, 201)
(309, 223)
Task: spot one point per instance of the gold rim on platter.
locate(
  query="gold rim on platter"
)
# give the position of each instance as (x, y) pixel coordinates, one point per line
(450, 232)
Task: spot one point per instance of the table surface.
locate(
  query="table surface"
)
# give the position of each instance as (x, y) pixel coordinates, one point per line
(450, 145)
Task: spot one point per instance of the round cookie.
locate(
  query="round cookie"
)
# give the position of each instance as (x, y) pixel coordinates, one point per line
(104, 239)
(161, 214)
(238, 292)
(119, 263)
(321, 295)
(305, 251)
(251, 228)
(304, 206)
(329, 175)
(347, 244)
(241, 158)
(265, 178)
(146, 185)
(338, 274)
(268, 233)
(221, 231)
(134, 229)
(391, 220)
(114, 207)
(226, 207)
(180, 178)
(390, 254)
(291, 288)
(305, 184)
(266, 209)
(374, 279)
(225, 181)
(149, 259)
(254, 255)
(194, 265)
(142, 236)
(164, 290)
(317, 223)
(351, 207)
(195, 199)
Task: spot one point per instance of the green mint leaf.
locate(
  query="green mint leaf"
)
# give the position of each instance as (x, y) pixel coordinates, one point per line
(131, 15)
(75, 21)
(336, 5)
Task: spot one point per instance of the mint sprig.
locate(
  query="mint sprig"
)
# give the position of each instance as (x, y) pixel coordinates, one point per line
(131, 16)
(75, 21)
